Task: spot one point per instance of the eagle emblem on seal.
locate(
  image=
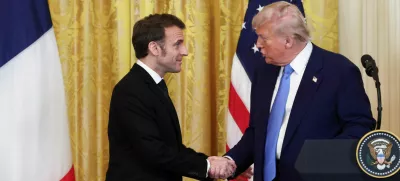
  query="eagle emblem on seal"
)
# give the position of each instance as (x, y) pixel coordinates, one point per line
(380, 150)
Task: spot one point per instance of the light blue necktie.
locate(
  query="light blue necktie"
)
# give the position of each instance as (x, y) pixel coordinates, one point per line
(274, 124)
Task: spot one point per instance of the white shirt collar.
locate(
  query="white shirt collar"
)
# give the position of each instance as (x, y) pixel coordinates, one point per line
(152, 73)
(300, 62)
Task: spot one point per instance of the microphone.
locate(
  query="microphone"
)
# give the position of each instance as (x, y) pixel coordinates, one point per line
(372, 70)
(370, 66)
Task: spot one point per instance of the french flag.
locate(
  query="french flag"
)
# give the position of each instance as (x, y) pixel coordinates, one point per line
(34, 135)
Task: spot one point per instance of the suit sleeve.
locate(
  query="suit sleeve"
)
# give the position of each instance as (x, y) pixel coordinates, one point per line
(354, 109)
(138, 122)
(242, 152)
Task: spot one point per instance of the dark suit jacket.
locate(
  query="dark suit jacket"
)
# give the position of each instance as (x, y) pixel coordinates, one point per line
(334, 107)
(145, 136)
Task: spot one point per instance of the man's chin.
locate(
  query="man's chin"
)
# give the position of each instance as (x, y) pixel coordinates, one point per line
(272, 62)
(268, 60)
(178, 67)
(176, 70)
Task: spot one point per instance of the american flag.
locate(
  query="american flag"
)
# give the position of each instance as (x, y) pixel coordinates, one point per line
(246, 58)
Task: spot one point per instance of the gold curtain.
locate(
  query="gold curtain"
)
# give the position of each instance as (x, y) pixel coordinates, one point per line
(322, 16)
(94, 41)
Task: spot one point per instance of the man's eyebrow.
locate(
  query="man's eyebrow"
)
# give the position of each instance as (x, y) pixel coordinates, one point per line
(179, 42)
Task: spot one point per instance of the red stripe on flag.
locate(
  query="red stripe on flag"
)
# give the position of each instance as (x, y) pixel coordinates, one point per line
(238, 110)
(240, 178)
(70, 176)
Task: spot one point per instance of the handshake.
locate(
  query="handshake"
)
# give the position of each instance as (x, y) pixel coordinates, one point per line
(221, 167)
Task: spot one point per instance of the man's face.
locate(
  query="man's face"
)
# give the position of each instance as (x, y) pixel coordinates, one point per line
(173, 50)
(271, 45)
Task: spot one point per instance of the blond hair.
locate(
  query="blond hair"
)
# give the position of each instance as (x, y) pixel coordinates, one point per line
(285, 18)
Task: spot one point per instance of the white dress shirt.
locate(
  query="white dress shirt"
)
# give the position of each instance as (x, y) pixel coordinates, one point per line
(157, 78)
(299, 65)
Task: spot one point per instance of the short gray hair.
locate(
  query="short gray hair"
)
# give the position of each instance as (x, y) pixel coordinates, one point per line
(286, 19)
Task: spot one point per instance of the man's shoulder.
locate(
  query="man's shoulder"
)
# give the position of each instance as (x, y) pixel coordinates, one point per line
(332, 59)
(133, 82)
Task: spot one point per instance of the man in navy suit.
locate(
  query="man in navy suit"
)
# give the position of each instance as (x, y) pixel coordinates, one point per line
(302, 92)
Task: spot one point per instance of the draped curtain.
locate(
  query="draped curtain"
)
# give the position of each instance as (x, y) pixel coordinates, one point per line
(373, 27)
(94, 41)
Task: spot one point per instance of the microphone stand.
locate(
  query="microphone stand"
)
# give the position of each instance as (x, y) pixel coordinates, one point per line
(378, 91)
(372, 70)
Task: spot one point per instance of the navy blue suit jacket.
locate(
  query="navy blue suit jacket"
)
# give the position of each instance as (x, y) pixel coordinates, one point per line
(334, 107)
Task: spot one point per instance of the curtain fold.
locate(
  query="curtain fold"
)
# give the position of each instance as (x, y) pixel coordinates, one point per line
(322, 20)
(372, 27)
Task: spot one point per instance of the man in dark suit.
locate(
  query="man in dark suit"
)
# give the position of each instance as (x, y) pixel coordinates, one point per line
(302, 92)
(143, 131)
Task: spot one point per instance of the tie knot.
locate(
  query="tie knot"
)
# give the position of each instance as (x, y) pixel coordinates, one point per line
(162, 85)
(288, 70)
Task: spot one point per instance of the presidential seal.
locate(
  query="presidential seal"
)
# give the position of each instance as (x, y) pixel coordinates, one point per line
(378, 154)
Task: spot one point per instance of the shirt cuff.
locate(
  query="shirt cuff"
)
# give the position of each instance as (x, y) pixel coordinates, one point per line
(208, 168)
(228, 157)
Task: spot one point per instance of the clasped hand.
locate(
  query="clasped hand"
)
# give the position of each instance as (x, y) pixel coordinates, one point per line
(221, 167)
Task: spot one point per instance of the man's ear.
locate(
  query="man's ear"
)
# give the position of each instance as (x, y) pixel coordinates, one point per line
(154, 49)
(289, 41)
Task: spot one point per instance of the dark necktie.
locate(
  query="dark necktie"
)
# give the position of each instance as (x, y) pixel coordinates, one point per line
(163, 87)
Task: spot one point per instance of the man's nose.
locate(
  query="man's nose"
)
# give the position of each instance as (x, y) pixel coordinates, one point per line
(184, 51)
(259, 43)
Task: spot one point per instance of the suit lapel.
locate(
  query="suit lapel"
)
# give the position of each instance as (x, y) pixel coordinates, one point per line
(168, 103)
(268, 86)
(175, 120)
(309, 84)
(160, 95)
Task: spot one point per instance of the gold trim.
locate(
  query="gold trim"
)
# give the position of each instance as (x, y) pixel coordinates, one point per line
(358, 147)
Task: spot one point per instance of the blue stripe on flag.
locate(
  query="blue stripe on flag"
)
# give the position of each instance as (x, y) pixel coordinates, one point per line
(22, 23)
(248, 37)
